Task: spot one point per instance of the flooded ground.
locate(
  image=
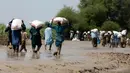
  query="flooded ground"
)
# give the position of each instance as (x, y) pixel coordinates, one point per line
(76, 57)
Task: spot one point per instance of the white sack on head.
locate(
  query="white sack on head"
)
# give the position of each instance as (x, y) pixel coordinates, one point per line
(124, 32)
(16, 24)
(106, 34)
(119, 35)
(109, 32)
(59, 19)
(36, 23)
(115, 32)
(94, 30)
(102, 32)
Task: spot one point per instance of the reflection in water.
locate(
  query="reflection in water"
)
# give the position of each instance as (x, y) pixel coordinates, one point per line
(14, 56)
(36, 56)
(23, 56)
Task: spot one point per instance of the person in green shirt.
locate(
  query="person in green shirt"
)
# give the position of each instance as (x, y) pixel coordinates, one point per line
(35, 38)
(59, 28)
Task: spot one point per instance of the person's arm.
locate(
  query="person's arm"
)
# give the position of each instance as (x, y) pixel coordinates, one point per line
(30, 31)
(51, 25)
(7, 29)
(23, 26)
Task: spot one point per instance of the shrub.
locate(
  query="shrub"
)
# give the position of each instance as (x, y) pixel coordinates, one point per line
(110, 25)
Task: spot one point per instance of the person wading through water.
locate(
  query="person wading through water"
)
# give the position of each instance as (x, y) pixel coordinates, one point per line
(23, 40)
(16, 37)
(35, 38)
(48, 36)
(59, 28)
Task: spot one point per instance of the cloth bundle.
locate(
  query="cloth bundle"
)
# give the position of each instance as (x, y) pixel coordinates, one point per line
(16, 24)
(62, 20)
(37, 23)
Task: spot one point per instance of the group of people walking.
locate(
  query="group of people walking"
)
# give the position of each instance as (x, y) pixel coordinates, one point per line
(18, 38)
(109, 38)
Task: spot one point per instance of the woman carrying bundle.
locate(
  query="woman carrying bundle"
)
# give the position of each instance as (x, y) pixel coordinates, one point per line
(59, 28)
(16, 33)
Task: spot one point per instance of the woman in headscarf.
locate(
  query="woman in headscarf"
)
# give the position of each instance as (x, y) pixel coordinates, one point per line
(16, 37)
(59, 28)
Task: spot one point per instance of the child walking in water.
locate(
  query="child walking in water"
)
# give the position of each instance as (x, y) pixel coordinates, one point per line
(23, 41)
(59, 28)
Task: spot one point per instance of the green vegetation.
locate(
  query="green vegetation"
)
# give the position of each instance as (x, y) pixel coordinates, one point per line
(99, 13)
(110, 25)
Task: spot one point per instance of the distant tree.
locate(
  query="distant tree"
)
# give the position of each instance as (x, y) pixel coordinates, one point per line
(110, 25)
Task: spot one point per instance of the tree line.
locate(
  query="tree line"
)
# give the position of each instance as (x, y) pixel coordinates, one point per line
(101, 14)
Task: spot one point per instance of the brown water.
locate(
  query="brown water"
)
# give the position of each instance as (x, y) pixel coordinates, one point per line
(75, 56)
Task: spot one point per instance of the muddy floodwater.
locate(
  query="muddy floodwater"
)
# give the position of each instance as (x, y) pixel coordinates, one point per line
(76, 57)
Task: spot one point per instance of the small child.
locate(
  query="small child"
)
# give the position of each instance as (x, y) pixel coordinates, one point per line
(23, 40)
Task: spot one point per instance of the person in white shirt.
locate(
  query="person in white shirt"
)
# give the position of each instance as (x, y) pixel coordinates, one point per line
(48, 37)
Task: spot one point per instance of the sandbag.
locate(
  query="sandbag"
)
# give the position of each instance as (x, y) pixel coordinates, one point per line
(102, 32)
(60, 19)
(94, 30)
(36, 23)
(16, 24)
(115, 32)
(119, 35)
(106, 34)
(109, 32)
(124, 32)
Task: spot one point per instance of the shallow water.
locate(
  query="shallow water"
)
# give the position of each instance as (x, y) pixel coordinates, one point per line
(70, 51)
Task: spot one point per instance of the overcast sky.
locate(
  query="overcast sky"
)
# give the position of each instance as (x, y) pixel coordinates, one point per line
(29, 10)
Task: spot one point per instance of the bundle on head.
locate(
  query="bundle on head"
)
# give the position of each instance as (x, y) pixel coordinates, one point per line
(60, 20)
(36, 23)
(16, 24)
